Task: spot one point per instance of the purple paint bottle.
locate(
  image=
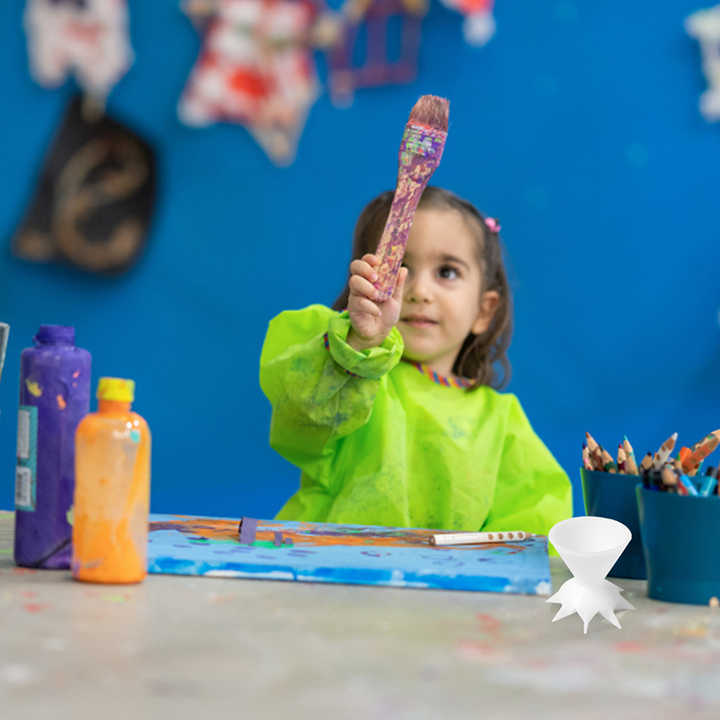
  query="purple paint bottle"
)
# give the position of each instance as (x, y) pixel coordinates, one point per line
(54, 397)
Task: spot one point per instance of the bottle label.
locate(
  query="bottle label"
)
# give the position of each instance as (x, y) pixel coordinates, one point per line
(26, 470)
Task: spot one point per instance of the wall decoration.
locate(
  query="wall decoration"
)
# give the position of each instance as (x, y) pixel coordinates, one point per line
(86, 38)
(94, 197)
(704, 26)
(479, 24)
(256, 68)
(377, 68)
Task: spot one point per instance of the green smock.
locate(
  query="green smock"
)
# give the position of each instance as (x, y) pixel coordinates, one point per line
(379, 443)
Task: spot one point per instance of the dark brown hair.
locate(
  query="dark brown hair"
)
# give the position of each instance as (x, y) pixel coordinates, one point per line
(480, 355)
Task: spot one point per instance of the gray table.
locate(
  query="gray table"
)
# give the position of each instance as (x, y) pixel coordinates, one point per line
(190, 647)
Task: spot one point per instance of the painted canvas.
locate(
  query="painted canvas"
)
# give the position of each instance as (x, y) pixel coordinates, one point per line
(352, 554)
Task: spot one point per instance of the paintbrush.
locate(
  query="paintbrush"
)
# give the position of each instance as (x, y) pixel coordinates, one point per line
(420, 151)
(4, 334)
(472, 538)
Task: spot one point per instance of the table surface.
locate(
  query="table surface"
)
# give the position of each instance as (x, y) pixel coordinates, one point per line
(179, 647)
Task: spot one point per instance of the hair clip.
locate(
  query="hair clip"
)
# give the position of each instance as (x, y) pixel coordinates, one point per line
(493, 224)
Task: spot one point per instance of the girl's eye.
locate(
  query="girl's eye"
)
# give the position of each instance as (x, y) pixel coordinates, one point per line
(448, 272)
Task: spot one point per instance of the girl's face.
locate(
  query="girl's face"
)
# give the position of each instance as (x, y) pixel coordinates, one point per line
(444, 299)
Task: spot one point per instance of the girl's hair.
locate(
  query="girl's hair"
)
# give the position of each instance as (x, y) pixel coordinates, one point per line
(480, 354)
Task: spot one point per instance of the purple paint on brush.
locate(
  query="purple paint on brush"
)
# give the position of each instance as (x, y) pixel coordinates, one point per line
(248, 528)
(54, 397)
(421, 149)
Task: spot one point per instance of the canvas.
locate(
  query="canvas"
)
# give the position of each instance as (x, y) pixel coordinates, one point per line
(353, 554)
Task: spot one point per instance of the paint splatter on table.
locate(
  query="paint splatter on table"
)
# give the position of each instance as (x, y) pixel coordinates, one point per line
(350, 554)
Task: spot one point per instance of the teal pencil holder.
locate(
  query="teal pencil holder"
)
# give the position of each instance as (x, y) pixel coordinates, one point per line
(681, 535)
(612, 495)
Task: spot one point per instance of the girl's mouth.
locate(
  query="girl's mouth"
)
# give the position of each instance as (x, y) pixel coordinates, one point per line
(419, 322)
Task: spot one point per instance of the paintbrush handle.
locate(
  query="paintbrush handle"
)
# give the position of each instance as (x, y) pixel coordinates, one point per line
(420, 152)
(393, 242)
(472, 538)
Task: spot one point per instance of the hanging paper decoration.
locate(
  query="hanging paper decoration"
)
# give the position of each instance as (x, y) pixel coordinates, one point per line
(256, 68)
(479, 24)
(377, 69)
(704, 25)
(88, 38)
(200, 12)
(94, 198)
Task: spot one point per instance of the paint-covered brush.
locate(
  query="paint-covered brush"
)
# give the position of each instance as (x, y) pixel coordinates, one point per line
(421, 148)
(4, 335)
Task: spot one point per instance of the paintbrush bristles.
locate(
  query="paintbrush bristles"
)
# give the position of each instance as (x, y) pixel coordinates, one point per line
(432, 111)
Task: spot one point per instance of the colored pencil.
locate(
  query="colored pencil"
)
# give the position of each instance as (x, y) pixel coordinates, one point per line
(664, 451)
(684, 454)
(669, 478)
(592, 445)
(632, 468)
(472, 538)
(685, 482)
(597, 458)
(621, 459)
(608, 464)
(586, 458)
(709, 483)
(700, 451)
(646, 462)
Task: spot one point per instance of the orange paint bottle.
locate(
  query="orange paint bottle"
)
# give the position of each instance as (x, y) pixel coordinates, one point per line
(112, 489)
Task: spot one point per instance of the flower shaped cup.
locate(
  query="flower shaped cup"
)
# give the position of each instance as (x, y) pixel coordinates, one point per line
(589, 546)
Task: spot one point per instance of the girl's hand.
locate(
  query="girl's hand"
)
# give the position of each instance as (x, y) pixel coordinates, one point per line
(370, 320)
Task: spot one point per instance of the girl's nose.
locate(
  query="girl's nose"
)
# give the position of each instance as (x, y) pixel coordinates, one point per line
(417, 287)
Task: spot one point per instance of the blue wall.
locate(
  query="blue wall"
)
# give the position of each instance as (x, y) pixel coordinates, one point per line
(580, 132)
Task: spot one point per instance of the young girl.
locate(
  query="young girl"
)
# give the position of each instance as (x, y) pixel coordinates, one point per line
(388, 408)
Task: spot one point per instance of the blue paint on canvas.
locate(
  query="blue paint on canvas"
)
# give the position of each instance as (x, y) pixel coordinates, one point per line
(352, 554)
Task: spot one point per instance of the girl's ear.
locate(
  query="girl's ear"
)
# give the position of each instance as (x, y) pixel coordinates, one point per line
(488, 305)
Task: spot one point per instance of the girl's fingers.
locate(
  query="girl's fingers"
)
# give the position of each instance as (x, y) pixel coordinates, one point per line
(363, 268)
(371, 259)
(360, 286)
(364, 305)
